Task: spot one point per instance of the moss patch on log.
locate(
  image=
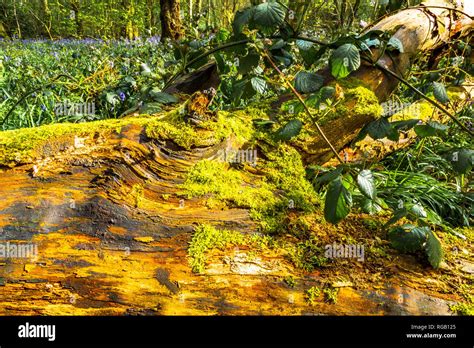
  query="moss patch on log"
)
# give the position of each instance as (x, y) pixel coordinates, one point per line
(284, 186)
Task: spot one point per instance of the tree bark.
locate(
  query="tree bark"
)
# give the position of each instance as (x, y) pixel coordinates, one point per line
(170, 17)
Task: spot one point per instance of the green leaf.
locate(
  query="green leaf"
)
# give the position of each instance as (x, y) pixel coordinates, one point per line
(241, 19)
(430, 129)
(418, 211)
(405, 124)
(365, 182)
(344, 60)
(241, 90)
(162, 97)
(260, 122)
(328, 176)
(433, 250)
(269, 14)
(150, 108)
(112, 98)
(259, 84)
(338, 201)
(145, 69)
(461, 160)
(327, 92)
(439, 92)
(395, 44)
(278, 44)
(370, 206)
(248, 63)
(408, 238)
(304, 45)
(367, 43)
(306, 82)
(379, 129)
(290, 130)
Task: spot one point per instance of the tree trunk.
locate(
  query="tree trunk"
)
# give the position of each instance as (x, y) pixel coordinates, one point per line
(104, 206)
(170, 17)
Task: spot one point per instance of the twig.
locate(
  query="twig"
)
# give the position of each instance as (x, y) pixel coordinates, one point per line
(421, 94)
(300, 98)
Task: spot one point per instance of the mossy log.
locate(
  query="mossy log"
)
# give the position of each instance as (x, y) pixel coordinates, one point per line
(141, 216)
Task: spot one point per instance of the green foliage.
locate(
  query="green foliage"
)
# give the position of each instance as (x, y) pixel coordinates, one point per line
(409, 239)
(395, 44)
(330, 294)
(440, 93)
(344, 60)
(338, 201)
(290, 130)
(306, 82)
(290, 281)
(365, 181)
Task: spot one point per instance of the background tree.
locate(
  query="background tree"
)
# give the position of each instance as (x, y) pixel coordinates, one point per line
(170, 17)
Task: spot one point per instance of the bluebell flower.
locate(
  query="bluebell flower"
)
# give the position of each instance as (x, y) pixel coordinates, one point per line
(122, 96)
(43, 107)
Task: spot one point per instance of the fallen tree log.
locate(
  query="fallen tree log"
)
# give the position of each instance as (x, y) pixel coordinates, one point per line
(112, 208)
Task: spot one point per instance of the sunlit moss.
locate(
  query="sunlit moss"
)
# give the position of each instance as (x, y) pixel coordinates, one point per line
(420, 110)
(207, 237)
(28, 144)
(463, 309)
(283, 186)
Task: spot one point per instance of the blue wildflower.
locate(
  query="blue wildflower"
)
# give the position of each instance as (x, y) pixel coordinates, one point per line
(122, 96)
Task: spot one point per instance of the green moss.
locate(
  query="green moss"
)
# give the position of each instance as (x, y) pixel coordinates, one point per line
(207, 237)
(367, 102)
(290, 281)
(312, 293)
(420, 110)
(306, 255)
(330, 295)
(284, 186)
(463, 308)
(226, 184)
(179, 132)
(284, 169)
(29, 144)
(223, 125)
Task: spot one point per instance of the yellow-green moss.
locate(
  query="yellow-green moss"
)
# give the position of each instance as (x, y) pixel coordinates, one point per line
(226, 184)
(357, 100)
(285, 170)
(367, 102)
(420, 110)
(312, 293)
(27, 144)
(216, 129)
(284, 186)
(463, 308)
(207, 237)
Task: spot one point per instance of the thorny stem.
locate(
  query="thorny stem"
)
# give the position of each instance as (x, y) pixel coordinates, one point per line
(421, 94)
(301, 100)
